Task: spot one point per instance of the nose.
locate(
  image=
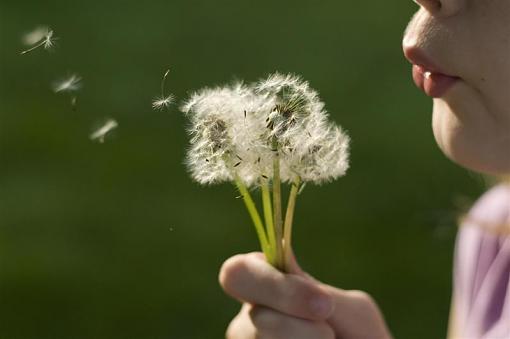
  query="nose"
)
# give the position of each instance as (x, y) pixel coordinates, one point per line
(441, 7)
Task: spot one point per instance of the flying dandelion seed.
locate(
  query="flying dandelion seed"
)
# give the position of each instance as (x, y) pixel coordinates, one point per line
(102, 131)
(33, 37)
(163, 101)
(74, 103)
(70, 84)
(40, 37)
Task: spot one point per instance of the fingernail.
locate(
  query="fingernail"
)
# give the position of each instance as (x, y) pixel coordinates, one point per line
(321, 306)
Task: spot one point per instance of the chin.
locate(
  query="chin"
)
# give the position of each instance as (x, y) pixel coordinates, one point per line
(467, 133)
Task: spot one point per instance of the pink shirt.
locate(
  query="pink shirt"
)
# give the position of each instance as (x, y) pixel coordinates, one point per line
(482, 269)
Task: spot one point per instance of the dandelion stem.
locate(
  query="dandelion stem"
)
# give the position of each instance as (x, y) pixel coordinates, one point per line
(289, 216)
(33, 48)
(163, 83)
(268, 216)
(277, 206)
(255, 217)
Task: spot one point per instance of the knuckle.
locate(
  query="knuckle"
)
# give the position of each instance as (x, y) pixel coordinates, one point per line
(293, 289)
(325, 332)
(265, 319)
(241, 326)
(296, 294)
(232, 330)
(363, 300)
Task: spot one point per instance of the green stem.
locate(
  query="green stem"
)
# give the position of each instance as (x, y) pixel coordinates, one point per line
(289, 216)
(277, 206)
(255, 217)
(268, 216)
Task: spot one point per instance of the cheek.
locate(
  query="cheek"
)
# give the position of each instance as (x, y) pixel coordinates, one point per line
(469, 133)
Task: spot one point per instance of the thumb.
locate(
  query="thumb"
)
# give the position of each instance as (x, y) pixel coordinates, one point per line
(292, 267)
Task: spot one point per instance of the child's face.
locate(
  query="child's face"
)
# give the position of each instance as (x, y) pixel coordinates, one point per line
(461, 55)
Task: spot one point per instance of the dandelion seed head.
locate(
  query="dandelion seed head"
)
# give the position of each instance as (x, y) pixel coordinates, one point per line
(70, 84)
(100, 133)
(324, 159)
(210, 151)
(161, 103)
(295, 105)
(282, 108)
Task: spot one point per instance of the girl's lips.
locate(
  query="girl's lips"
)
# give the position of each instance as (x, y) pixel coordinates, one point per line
(433, 84)
(426, 75)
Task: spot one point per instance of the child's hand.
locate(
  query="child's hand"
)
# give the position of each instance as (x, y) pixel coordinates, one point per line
(277, 305)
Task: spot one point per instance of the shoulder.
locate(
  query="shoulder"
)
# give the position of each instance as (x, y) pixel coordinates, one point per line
(492, 211)
(482, 258)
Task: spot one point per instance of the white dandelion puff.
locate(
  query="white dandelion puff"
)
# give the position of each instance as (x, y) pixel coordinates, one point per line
(163, 101)
(40, 37)
(70, 84)
(279, 116)
(247, 154)
(103, 131)
(296, 106)
(261, 135)
(320, 158)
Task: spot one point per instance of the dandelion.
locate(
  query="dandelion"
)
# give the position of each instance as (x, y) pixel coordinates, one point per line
(163, 101)
(70, 84)
(102, 131)
(40, 37)
(262, 135)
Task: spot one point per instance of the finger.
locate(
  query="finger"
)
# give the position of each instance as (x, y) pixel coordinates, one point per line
(242, 326)
(356, 315)
(269, 323)
(251, 279)
(293, 265)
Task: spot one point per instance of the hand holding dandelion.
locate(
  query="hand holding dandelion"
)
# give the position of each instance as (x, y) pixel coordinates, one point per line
(262, 135)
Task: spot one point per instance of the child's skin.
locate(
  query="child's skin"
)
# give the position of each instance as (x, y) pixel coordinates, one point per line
(460, 50)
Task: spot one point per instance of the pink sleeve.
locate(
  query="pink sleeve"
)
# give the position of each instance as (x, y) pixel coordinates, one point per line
(482, 269)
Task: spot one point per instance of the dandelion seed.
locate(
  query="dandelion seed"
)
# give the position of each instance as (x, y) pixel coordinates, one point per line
(40, 37)
(70, 84)
(74, 101)
(35, 36)
(163, 101)
(102, 131)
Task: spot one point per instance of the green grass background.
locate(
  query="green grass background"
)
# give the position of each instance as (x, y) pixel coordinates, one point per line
(115, 241)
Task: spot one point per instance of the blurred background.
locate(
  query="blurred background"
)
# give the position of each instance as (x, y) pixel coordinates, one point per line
(114, 240)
